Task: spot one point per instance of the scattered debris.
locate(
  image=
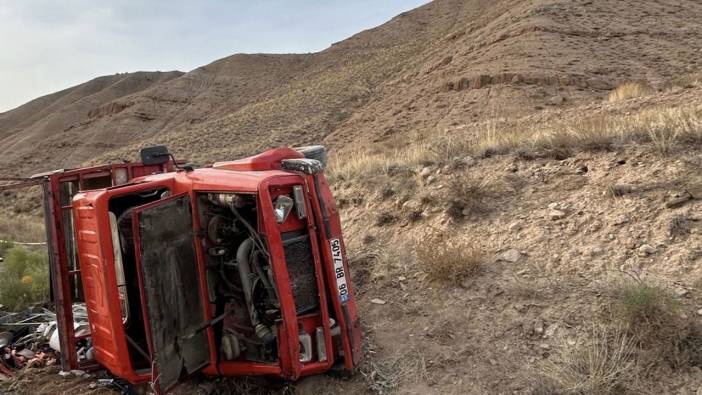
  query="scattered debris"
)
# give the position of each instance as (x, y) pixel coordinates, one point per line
(29, 339)
(378, 301)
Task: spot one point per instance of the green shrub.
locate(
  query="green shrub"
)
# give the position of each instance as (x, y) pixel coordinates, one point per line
(645, 305)
(24, 278)
(4, 246)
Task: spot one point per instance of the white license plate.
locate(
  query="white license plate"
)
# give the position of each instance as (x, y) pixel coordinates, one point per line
(339, 272)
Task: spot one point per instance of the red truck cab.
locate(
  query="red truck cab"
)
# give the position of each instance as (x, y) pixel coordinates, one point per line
(234, 269)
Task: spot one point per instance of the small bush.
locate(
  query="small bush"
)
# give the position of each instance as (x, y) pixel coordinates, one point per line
(449, 262)
(629, 90)
(655, 319)
(468, 196)
(603, 364)
(24, 278)
(642, 303)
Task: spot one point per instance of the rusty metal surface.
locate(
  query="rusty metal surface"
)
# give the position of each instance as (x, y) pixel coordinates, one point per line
(59, 273)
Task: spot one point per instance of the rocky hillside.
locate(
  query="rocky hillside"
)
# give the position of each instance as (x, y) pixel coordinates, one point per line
(449, 62)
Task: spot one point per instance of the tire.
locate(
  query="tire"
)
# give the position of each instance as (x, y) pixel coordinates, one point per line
(317, 152)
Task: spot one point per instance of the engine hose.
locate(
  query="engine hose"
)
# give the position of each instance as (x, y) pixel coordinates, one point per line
(226, 281)
(264, 278)
(252, 232)
(242, 263)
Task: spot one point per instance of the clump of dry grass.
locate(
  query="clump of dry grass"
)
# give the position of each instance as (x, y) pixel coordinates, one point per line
(386, 375)
(642, 303)
(654, 318)
(448, 261)
(468, 196)
(630, 90)
(604, 363)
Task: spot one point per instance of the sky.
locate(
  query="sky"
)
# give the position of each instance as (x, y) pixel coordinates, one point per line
(48, 45)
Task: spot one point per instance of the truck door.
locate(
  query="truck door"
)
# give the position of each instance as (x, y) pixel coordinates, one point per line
(168, 273)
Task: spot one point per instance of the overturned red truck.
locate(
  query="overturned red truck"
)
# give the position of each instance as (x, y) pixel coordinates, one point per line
(234, 269)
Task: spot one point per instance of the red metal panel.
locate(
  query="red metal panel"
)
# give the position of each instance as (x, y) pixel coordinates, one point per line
(330, 228)
(59, 274)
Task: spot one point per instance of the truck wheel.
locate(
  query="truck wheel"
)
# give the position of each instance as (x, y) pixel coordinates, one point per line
(317, 152)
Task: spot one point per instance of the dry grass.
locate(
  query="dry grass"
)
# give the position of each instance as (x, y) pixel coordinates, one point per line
(641, 303)
(468, 196)
(604, 363)
(386, 375)
(630, 90)
(447, 261)
(22, 228)
(655, 319)
(664, 129)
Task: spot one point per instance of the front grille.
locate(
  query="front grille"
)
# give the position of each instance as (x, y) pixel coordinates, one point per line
(300, 263)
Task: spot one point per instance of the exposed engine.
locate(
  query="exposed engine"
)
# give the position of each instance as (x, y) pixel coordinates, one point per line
(240, 278)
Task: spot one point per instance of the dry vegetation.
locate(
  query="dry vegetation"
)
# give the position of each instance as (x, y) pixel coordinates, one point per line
(630, 90)
(664, 128)
(602, 363)
(643, 333)
(21, 228)
(449, 261)
(386, 375)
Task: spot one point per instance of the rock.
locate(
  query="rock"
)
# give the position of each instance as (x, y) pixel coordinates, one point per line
(678, 201)
(682, 292)
(402, 278)
(556, 100)
(378, 301)
(511, 255)
(411, 205)
(425, 172)
(647, 249)
(550, 331)
(544, 346)
(431, 179)
(539, 328)
(64, 373)
(699, 312)
(553, 206)
(555, 215)
(620, 220)
(78, 372)
(469, 161)
(515, 227)
(620, 189)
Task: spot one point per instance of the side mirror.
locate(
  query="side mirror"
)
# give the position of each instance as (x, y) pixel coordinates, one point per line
(156, 155)
(307, 166)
